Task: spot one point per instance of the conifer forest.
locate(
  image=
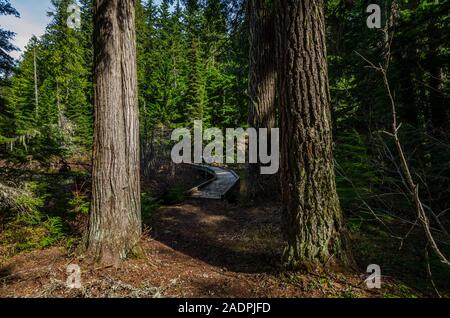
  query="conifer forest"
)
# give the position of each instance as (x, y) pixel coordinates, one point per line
(225, 149)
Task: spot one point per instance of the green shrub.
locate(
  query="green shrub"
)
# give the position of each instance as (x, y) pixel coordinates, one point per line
(149, 205)
(20, 202)
(27, 227)
(55, 232)
(174, 195)
(79, 204)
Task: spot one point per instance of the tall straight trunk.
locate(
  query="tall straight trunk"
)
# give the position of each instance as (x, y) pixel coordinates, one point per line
(262, 79)
(58, 105)
(36, 95)
(115, 223)
(313, 223)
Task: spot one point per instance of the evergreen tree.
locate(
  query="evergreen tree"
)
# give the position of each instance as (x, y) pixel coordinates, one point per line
(216, 58)
(22, 95)
(51, 93)
(68, 68)
(312, 218)
(6, 47)
(194, 99)
(145, 46)
(6, 66)
(115, 226)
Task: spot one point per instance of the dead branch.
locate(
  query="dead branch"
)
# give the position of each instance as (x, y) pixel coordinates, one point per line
(411, 185)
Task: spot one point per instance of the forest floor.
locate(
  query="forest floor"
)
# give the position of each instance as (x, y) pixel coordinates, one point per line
(191, 248)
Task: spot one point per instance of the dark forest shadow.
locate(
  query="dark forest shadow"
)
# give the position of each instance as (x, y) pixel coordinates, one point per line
(229, 237)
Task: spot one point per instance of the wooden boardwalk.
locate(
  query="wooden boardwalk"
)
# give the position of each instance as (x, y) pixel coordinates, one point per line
(221, 183)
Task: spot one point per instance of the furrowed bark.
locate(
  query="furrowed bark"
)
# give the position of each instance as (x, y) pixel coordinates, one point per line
(262, 80)
(115, 223)
(313, 223)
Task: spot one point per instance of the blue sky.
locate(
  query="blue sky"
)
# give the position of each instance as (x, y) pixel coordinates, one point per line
(33, 20)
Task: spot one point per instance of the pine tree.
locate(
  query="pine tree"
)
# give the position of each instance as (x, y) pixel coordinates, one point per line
(167, 60)
(6, 47)
(22, 98)
(179, 62)
(86, 38)
(146, 37)
(214, 32)
(195, 89)
(6, 66)
(216, 59)
(164, 85)
(236, 114)
(51, 93)
(68, 66)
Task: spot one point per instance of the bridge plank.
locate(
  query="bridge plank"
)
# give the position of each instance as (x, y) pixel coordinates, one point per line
(219, 188)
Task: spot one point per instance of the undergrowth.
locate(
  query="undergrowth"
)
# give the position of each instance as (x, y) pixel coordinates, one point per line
(380, 219)
(41, 213)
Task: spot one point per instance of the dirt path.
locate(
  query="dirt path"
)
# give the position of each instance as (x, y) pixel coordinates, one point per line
(195, 249)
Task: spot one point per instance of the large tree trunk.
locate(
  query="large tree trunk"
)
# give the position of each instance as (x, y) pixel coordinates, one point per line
(115, 223)
(262, 79)
(312, 218)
